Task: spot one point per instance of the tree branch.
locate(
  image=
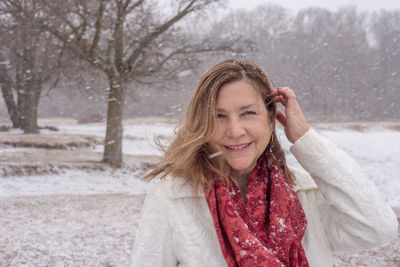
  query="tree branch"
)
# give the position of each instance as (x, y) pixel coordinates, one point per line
(98, 25)
(51, 87)
(158, 31)
(128, 9)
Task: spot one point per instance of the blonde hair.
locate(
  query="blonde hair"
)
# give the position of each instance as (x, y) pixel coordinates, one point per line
(187, 156)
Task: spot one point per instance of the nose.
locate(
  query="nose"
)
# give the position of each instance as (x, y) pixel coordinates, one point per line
(235, 128)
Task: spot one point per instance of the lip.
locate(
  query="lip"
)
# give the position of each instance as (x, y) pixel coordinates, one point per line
(246, 147)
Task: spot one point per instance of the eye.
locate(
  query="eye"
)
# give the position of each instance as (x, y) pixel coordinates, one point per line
(249, 112)
(220, 116)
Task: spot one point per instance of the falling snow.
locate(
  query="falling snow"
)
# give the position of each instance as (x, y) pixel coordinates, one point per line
(87, 217)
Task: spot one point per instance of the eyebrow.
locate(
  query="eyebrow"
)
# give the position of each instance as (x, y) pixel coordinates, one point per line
(241, 108)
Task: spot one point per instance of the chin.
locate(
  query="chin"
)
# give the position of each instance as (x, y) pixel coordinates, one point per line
(240, 167)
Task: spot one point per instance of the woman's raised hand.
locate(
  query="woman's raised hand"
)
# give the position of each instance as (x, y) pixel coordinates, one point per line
(292, 119)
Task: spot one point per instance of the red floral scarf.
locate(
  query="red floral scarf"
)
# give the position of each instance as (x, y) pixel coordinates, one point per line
(267, 229)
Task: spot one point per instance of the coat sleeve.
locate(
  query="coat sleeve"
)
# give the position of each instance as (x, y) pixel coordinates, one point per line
(153, 243)
(353, 215)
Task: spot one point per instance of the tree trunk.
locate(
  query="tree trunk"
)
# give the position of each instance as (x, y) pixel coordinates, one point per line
(28, 86)
(28, 100)
(6, 89)
(113, 141)
(32, 101)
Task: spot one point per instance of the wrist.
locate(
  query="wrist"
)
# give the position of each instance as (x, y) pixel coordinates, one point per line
(301, 133)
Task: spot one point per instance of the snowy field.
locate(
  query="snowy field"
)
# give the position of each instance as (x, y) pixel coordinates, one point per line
(60, 207)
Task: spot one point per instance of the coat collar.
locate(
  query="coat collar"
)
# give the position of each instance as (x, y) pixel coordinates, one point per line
(304, 181)
(182, 188)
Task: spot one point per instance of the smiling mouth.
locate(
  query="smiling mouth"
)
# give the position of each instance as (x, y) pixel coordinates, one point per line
(239, 147)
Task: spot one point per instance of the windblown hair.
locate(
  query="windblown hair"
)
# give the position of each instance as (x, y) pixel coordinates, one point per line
(187, 156)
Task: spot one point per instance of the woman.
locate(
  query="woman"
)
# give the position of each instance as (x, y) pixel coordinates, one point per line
(227, 197)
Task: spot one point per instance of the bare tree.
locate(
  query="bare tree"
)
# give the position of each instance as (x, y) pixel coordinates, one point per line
(128, 41)
(31, 57)
(6, 84)
(385, 35)
(343, 65)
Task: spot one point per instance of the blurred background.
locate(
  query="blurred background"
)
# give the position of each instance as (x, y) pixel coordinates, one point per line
(100, 79)
(342, 58)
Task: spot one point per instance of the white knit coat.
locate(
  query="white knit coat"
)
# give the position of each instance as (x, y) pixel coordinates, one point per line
(343, 209)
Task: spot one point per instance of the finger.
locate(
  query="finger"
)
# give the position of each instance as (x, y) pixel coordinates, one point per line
(277, 90)
(280, 116)
(286, 92)
(280, 99)
(274, 92)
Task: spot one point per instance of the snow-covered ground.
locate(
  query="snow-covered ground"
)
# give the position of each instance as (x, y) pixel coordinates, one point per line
(87, 217)
(138, 141)
(376, 149)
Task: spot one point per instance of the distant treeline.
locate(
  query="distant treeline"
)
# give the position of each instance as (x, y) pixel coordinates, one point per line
(343, 65)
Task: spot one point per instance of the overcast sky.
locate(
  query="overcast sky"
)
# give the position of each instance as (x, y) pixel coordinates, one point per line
(295, 5)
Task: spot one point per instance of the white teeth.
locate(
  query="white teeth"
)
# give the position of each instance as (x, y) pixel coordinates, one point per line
(237, 147)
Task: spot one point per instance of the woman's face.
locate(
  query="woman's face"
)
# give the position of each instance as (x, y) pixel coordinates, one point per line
(243, 128)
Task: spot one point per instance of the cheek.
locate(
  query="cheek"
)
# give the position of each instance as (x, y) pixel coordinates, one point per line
(265, 135)
(218, 135)
(268, 138)
(214, 142)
